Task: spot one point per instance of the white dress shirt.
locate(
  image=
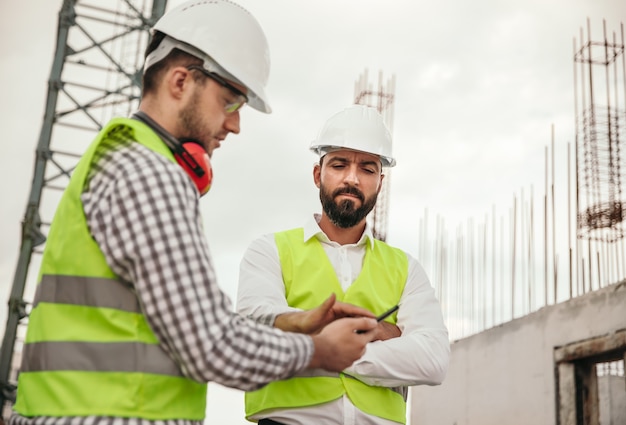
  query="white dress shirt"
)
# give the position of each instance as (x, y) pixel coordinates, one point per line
(419, 356)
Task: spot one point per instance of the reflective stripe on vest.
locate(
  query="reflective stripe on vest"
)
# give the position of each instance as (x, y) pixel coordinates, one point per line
(309, 279)
(97, 357)
(87, 291)
(89, 350)
(92, 356)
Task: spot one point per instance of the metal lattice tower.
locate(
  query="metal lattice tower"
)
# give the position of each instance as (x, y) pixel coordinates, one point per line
(601, 136)
(95, 76)
(381, 98)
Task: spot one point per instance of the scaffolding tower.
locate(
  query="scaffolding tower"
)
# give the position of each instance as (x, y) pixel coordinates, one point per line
(95, 76)
(381, 98)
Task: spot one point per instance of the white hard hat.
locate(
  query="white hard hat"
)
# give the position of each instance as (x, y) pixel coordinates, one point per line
(223, 34)
(359, 128)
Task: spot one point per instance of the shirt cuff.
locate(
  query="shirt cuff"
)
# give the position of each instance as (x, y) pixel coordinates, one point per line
(264, 319)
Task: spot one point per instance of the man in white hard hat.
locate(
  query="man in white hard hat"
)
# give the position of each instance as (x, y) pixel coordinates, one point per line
(335, 252)
(128, 323)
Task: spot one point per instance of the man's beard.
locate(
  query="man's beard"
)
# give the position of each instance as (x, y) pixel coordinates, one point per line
(190, 120)
(344, 214)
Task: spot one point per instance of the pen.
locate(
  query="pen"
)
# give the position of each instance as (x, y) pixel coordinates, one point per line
(382, 316)
(387, 313)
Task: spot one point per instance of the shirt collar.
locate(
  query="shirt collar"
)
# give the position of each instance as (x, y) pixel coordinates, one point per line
(312, 229)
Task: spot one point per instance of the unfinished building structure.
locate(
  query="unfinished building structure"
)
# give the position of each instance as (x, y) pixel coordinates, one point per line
(600, 139)
(380, 97)
(562, 362)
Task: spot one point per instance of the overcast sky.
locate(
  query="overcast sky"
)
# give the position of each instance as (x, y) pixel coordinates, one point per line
(478, 86)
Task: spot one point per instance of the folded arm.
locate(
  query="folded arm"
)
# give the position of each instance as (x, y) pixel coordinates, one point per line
(421, 354)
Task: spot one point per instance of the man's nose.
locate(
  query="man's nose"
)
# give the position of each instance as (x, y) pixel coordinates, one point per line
(231, 123)
(351, 175)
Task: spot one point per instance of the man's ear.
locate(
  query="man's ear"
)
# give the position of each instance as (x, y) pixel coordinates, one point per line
(380, 183)
(317, 175)
(177, 81)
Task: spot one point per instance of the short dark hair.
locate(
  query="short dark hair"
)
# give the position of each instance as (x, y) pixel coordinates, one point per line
(175, 58)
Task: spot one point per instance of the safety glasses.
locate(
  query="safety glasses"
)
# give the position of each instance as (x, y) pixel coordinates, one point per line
(240, 98)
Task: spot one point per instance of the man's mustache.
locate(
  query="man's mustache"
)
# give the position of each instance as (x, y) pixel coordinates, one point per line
(349, 190)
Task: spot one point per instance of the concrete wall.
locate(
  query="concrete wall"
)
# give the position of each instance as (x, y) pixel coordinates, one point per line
(506, 374)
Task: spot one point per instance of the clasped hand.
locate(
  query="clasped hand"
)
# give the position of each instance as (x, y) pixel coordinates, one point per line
(312, 321)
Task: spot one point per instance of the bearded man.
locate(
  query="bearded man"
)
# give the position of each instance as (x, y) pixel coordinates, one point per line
(285, 274)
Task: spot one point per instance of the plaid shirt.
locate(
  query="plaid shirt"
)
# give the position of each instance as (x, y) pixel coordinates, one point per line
(143, 212)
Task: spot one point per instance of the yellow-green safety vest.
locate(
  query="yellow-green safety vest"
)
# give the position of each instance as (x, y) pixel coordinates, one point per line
(89, 350)
(309, 279)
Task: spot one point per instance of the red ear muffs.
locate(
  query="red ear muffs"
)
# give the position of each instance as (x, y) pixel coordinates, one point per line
(196, 162)
(189, 153)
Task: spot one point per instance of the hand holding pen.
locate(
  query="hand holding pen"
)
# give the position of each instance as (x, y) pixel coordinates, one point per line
(384, 315)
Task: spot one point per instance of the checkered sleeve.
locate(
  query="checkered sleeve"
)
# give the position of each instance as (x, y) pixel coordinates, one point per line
(143, 211)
